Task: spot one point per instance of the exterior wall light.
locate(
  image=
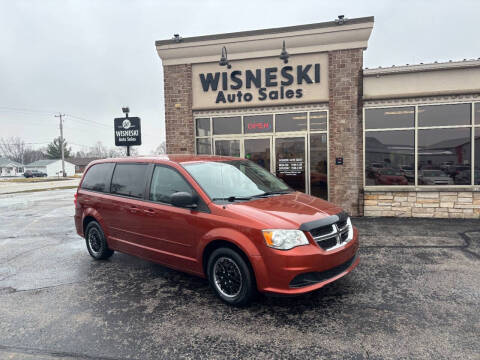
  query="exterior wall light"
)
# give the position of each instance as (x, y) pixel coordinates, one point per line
(341, 20)
(284, 55)
(223, 59)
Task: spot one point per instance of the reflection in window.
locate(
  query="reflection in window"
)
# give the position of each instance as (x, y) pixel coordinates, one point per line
(389, 118)
(318, 120)
(444, 115)
(258, 124)
(449, 152)
(203, 127)
(476, 174)
(390, 157)
(165, 182)
(258, 151)
(290, 161)
(227, 125)
(291, 122)
(129, 180)
(318, 165)
(227, 147)
(204, 146)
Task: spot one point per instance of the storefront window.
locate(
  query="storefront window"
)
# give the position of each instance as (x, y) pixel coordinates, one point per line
(204, 146)
(444, 115)
(227, 125)
(476, 173)
(390, 157)
(203, 127)
(258, 124)
(227, 147)
(390, 118)
(318, 165)
(291, 122)
(318, 120)
(448, 151)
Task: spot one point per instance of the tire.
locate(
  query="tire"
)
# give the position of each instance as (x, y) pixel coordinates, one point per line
(96, 242)
(231, 277)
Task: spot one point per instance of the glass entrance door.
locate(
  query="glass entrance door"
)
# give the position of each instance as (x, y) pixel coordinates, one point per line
(259, 151)
(290, 160)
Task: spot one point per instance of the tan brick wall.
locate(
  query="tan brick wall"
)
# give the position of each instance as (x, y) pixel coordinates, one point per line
(178, 109)
(345, 127)
(432, 204)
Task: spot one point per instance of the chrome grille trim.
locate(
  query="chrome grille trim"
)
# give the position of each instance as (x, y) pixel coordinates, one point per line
(334, 234)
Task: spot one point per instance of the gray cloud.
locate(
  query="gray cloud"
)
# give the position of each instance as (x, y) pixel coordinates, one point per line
(89, 58)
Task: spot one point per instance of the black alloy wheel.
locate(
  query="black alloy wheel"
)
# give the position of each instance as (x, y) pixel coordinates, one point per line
(231, 277)
(96, 243)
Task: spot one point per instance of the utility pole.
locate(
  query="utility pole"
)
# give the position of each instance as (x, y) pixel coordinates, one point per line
(61, 142)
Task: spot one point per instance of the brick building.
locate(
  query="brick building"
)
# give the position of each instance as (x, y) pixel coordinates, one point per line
(398, 141)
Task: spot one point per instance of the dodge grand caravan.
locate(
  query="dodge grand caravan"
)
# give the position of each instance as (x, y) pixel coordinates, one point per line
(223, 218)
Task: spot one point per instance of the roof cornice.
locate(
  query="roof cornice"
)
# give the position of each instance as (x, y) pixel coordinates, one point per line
(450, 65)
(310, 38)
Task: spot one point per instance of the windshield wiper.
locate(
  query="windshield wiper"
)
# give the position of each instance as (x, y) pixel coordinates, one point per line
(268, 193)
(233, 198)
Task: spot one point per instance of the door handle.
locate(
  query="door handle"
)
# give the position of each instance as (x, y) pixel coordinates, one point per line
(150, 212)
(133, 209)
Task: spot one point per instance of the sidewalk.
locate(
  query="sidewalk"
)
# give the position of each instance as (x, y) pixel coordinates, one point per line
(7, 187)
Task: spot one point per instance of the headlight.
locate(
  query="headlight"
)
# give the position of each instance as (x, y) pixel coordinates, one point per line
(284, 239)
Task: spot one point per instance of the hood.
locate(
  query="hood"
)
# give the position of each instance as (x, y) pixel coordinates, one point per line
(287, 211)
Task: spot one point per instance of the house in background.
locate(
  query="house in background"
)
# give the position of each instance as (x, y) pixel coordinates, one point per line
(51, 167)
(10, 168)
(81, 163)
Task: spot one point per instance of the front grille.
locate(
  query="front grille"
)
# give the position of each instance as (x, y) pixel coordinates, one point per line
(316, 277)
(331, 236)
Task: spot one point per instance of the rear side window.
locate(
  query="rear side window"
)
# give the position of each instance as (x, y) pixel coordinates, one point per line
(165, 182)
(129, 180)
(98, 177)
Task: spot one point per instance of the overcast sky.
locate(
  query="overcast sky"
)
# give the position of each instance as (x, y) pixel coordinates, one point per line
(88, 58)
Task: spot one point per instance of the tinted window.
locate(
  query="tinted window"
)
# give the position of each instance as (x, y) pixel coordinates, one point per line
(318, 120)
(258, 124)
(438, 115)
(399, 117)
(204, 146)
(98, 177)
(227, 125)
(392, 151)
(203, 127)
(291, 122)
(165, 182)
(447, 150)
(129, 180)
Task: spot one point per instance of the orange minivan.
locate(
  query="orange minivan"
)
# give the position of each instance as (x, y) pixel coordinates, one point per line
(223, 218)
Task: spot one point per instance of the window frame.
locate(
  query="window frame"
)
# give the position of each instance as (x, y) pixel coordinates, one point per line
(416, 128)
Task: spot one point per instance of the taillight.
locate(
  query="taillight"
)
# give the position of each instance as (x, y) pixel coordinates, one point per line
(75, 199)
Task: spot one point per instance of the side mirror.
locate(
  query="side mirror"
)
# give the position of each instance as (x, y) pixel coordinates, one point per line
(184, 199)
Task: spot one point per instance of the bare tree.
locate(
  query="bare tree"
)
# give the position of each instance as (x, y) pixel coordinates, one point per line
(98, 150)
(161, 149)
(13, 148)
(32, 155)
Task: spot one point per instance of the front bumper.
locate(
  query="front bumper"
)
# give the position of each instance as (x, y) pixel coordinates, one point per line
(307, 268)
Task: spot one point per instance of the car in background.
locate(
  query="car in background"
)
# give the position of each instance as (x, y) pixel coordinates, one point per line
(222, 218)
(445, 165)
(373, 168)
(389, 176)
(408, 171)
(434, 177)
(454, 170)
(465, 177)
(34, 173)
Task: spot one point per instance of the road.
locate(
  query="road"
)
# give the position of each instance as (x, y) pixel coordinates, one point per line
(416, 294)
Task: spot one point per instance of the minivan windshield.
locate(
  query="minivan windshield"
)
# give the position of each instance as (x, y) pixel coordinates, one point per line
(235, 180)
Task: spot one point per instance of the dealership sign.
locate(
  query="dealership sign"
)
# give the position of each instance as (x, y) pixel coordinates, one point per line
(127, 131)
(257, 82)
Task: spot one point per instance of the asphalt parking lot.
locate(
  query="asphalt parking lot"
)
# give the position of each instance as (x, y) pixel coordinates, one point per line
(416, 294)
